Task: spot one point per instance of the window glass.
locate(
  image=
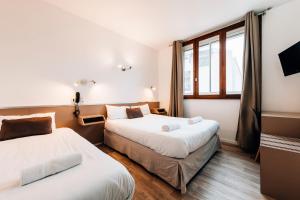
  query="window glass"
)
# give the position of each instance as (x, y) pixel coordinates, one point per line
(234, 61)
(188, 70)
(209, 66)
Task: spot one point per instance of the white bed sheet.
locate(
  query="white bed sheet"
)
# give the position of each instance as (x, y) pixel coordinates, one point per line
(178, 143)
(97, 177)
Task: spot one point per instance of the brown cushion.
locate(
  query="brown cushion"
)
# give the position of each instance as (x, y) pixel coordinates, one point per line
(134, 113)
(17, 128)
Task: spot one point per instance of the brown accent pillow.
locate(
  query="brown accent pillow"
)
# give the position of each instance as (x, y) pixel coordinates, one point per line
(134, 113)
(17, 128)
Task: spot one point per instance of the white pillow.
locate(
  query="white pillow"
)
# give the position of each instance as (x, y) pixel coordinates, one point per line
(144, 108)
(116, 112)
(51, 114)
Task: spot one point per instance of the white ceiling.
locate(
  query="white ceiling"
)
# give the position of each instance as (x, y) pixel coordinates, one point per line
(156, 23)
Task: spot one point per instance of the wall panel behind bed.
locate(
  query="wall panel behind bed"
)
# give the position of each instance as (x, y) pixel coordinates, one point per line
(65, 117)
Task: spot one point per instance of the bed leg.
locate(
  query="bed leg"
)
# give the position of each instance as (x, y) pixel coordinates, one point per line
(183, 189)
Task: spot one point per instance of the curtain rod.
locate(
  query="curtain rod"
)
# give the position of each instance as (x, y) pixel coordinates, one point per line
(263, 12)
(260, 13)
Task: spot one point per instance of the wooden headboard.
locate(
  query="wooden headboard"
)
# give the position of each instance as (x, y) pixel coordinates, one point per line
(65, 117)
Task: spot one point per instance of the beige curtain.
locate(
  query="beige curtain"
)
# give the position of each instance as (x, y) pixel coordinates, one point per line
(248, 132)
(176, 95)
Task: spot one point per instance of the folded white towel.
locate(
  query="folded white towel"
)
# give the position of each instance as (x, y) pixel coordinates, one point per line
(195, 120)
(48, 168)
(170, 127)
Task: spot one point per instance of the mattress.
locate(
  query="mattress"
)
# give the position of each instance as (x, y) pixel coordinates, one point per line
(97, 177)
(178, 143)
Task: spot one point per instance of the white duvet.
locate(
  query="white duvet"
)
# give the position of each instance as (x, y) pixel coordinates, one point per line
(178, 143)
(97, 177)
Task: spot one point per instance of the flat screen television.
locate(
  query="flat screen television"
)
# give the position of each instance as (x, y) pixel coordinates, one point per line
(290, 60)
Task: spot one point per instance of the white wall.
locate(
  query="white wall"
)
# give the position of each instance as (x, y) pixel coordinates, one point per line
(280, 30)
(164, 76)
(44, 50)
(226, 112)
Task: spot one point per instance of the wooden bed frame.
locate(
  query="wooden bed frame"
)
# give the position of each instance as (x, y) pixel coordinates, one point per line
(176, 172)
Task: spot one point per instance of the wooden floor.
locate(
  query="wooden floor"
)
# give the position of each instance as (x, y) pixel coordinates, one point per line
(229, 175)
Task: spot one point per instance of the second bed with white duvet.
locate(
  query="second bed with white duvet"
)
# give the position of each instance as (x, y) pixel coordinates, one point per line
(178, 143)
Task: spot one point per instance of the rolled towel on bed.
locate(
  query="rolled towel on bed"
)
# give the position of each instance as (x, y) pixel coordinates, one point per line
(170, 127)
(48, 168)
(195, 120)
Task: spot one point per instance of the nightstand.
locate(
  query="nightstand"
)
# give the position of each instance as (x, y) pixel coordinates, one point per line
(91, 127)
(159, 111)
(91, 120)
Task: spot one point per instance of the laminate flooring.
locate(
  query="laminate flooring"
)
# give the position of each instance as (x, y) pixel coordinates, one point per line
(229, 175)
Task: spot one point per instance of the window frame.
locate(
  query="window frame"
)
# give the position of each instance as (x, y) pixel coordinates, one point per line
(195, 42)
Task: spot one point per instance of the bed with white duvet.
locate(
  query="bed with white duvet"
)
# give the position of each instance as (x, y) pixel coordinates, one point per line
(97, 177)
(179, 143)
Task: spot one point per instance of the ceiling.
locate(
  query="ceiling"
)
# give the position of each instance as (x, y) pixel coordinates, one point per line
(156, 23)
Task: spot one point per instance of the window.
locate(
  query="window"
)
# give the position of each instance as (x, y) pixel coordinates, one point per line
(213, 64)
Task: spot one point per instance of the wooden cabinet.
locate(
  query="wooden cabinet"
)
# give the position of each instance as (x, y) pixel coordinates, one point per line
(280, 155)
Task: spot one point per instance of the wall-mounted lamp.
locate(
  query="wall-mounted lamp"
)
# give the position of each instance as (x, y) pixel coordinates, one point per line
(125, 67)
(84, 82)
(153, 88)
